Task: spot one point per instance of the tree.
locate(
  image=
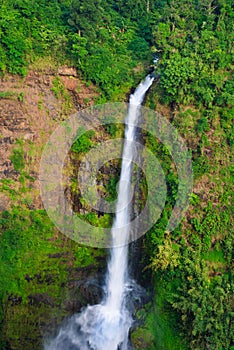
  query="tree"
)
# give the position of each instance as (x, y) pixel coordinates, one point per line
(86, 16)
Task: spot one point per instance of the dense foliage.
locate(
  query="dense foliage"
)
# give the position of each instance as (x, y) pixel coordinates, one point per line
(193, 264)
(194, 39)
(104, 45)
(107, 41)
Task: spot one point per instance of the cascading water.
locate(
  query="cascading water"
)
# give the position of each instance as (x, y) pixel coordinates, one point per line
(106, 326)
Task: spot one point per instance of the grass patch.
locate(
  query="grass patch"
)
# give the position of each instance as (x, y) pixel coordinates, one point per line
(160, 329)
(164, 324)
(215, 256)
(12, 95)
(28, 241)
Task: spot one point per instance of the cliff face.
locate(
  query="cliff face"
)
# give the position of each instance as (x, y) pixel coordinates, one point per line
(30, 108)
(44, 277)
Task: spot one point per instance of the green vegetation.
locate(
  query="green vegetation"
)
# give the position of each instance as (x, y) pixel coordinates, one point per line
(83, 143)
(195, 39)
(12, 95)
(193, 264)
(104, 45)
(111, 45)
(17, 159)
(37, 264)
(26, 243)
(163, 323)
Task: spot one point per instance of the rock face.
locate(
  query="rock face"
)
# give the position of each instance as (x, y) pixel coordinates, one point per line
(30, 109)
(68, 71)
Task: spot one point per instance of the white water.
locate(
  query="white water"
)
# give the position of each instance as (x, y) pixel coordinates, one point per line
(106, 326)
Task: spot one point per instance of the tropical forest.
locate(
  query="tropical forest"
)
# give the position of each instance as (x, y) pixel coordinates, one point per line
(127, 76)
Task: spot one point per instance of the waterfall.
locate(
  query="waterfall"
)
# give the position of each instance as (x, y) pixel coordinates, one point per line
(106, 326)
